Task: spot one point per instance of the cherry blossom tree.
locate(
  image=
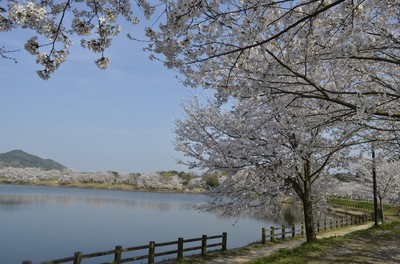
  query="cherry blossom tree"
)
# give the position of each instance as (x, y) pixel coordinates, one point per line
(387, 176)
(266, 150)
(342, 54)
(338, 51)
(388, 180)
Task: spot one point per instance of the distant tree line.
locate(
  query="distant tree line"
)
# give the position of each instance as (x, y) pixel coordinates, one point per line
(162, 180)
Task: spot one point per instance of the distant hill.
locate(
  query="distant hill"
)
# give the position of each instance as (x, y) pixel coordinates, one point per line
(21, 159)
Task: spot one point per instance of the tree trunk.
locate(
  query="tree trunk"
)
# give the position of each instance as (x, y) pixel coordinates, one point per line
(381, 209)
(308, 212)
(374, 186)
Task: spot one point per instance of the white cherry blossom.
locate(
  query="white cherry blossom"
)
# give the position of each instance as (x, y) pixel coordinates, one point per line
(56, 22)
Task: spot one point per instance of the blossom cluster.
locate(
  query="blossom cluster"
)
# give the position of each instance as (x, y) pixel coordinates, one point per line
(55, 24)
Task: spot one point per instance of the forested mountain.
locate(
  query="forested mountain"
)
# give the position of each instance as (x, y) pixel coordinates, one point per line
(21, 159)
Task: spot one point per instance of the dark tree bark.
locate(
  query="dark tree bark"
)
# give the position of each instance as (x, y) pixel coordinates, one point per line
(381, 216)
(308, 212)
(304, 191)
(374, 184)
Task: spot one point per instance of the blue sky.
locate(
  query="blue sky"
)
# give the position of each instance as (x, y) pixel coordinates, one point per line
(119, 119)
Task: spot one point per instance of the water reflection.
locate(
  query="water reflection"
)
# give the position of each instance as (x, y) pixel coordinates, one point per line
(8, 201)
(292, 213)
(47, 223)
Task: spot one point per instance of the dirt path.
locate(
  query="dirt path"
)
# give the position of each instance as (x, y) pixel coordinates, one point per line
(253, 252)
(378, 246)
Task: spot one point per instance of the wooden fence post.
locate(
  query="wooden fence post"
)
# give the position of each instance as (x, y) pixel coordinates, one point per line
(77, 257)
(283, 232)
(293, 230)
(203, 245)
(263, 235)
(152, 248)
(224, 241)
(330, 223)
(180, 249)
(117, 254)
(318, 226)
(272, 233)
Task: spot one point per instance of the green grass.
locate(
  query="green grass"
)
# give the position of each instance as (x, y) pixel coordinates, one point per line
(387, 208)
(349, 202)
(388, 226)
(300, 254)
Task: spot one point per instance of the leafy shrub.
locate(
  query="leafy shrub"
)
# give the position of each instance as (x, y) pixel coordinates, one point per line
(184, 176)
(212, 180)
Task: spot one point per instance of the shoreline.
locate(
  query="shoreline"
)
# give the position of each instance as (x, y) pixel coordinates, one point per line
(98, 186)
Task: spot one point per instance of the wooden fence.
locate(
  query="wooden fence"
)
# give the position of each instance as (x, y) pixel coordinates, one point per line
(151, 247)
(367, 208)
(282, 232)
(298, 230)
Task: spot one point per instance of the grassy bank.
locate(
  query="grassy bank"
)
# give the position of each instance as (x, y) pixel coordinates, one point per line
(368, 205)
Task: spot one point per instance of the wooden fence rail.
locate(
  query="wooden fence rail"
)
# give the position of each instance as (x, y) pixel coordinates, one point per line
(151, 247)
(292, 231)
(354, 206)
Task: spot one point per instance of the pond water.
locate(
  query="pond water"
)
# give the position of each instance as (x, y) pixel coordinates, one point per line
(45, 223)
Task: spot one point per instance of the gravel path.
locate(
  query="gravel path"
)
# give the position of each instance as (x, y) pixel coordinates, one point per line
(378, 246)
